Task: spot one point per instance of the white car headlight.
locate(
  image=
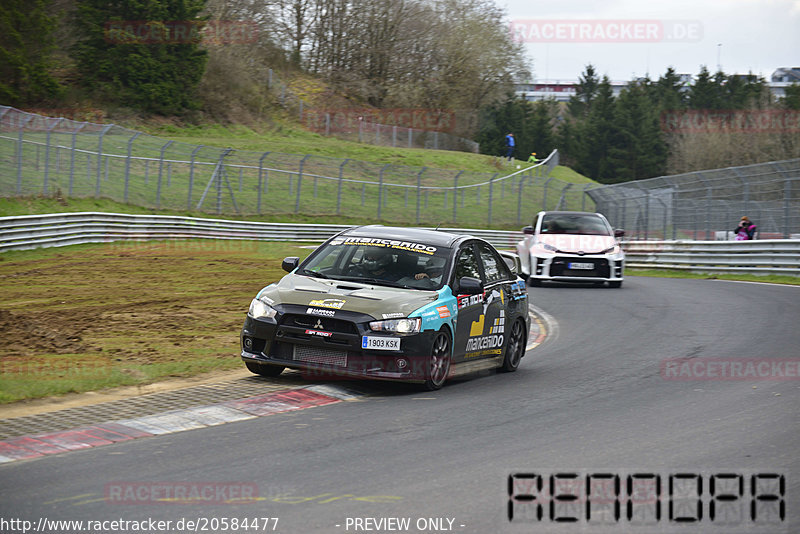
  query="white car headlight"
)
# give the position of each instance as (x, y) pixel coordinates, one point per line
(545, 246)
(397, 326)
(260, 309)
(611, 250)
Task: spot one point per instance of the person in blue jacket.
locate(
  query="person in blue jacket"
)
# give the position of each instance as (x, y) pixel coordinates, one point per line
(510, 145)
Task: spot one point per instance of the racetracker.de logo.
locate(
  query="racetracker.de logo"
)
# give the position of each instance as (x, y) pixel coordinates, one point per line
(349, 120)
(180, 492)
(606, 31)
(730, 121)
(730, 369)
(173, 32)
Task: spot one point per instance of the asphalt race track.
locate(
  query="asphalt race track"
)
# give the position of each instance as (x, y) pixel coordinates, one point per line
(603, 397)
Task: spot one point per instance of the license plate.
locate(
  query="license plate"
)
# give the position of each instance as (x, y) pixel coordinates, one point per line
(582, 266)
(380, 343)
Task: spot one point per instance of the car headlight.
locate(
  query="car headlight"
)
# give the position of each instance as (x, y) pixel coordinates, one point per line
(611, 250)
(397, 326)
(545, 246)
(260, 309)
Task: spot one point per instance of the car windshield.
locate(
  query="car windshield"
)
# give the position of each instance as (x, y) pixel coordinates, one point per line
(574, 224)
(379, 261)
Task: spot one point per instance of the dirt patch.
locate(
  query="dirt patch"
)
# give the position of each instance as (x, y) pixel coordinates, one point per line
(136, 311)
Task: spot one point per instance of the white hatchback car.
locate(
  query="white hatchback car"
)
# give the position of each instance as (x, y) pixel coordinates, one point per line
(571, 246)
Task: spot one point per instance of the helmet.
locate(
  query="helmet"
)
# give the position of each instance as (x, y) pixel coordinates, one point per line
(376, 258)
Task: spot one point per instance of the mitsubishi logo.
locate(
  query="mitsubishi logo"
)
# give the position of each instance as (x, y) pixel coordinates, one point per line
(319, 326)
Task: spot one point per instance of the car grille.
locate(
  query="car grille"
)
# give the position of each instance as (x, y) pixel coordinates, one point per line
(559, 267)
(304, 353)
(311, 321)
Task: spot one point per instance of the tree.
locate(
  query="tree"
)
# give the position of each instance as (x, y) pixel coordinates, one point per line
(706, 91)
(581, 104)
(791, 100)
(596, 135)
(144, 54)
(637, 149)
(26, 46)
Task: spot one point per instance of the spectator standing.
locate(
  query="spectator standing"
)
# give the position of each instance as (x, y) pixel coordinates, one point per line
(746, 230)
(510, 145)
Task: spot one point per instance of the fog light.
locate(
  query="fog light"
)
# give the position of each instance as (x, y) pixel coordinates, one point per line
(248, 343)
(402, 363)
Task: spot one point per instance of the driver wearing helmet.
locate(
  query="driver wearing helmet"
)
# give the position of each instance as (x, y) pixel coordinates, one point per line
(376, 262)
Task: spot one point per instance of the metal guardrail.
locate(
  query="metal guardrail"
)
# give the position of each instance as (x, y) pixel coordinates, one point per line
(61, 229)
(768, 256)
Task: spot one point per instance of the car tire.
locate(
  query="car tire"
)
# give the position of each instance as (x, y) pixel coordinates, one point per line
(515, 348)
(616, 283)
(438, 365)
(264, 369)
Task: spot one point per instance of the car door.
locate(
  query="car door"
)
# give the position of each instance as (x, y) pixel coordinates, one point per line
(498, 280)
(470, 307)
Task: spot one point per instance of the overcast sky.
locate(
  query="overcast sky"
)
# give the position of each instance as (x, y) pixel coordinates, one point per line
(562, 36)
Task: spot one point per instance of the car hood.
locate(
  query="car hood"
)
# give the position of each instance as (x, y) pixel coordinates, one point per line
(590, 244)
(374, 300)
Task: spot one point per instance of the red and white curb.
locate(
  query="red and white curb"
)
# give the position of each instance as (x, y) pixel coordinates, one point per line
(34, 446)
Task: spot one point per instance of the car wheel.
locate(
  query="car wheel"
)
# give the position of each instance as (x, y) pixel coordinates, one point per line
(264, 369)
(516, 347)
(616, 283)
(438, 362)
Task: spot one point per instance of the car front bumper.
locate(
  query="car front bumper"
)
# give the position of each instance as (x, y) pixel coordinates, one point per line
(561, 267)
(336, 351)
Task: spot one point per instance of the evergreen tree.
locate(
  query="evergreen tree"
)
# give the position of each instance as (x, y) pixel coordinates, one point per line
(585, 93)
(791, 99)
(538, 133)
(26, 45)
(705, 93)
(597, 135)
(637, 149)
(145, 54)
(669, 91)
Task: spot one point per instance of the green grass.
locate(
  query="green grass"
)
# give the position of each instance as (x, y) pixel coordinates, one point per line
(88, 317)
(666, 273)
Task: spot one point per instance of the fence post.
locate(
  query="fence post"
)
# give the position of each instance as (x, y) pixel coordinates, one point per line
(265, 182)
(455, 195)
(160, 172)
(191, 176)
(787, 193)
(22, 124)
(327, 124)
(100, 158)
(339, 186)
(410, 136)
(394, 136)
(47, 153)
(491, 186)
(544, 196)
(128, 167)
(72, 157)
(299, 182)
(519, 200)
(419, 184)
(380, 188)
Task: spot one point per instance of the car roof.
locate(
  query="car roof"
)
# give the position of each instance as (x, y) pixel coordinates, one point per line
(432, 237)
(570, 213)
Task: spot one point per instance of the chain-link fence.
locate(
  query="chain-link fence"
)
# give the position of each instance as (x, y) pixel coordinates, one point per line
(707, 204)
(354, 124)
(43, 155)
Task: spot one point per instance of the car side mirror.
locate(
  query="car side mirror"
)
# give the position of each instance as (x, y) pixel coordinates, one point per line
(290, 264)
(528, 230)
(619, 232)
(469, 286)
